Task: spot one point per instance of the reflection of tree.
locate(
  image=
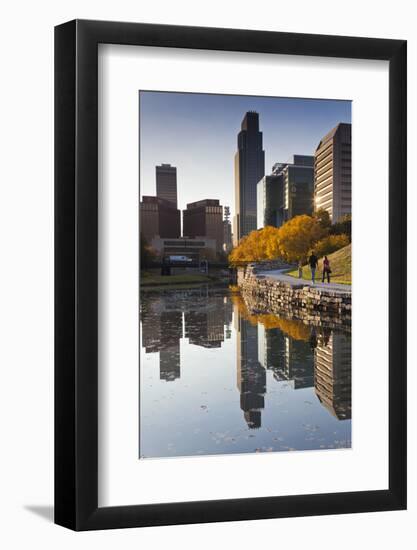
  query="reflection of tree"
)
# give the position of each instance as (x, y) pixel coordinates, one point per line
(291, 327)
(307, 355)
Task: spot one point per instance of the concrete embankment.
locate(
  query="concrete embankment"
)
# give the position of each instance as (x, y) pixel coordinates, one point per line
(269, 289)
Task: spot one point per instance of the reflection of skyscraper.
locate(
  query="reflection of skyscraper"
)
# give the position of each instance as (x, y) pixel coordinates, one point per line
(271, 348)
(299, 363)
(332, 373)
(249, 169)
(169, 355)
(204, 326)
(251, 376)
(288, 358)
(228, 316)
(161, 332)
(151, 324)
(206, 316)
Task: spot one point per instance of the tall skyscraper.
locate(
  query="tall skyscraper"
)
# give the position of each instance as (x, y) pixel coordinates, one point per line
(166, 183)
(204, 219)
(332, 172)
(249, 169)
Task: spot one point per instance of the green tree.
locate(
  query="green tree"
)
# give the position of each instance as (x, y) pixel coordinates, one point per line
(343, 227)
(147, 254)
(330, 244)
(323, 218)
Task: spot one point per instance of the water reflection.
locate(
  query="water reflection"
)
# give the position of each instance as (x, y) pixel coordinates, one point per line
(251, 375)
(332, 373)
(293, 378)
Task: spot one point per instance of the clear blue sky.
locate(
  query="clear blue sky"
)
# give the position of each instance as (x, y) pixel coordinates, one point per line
(197, 133)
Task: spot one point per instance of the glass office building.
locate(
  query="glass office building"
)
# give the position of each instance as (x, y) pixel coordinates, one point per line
(270, 201)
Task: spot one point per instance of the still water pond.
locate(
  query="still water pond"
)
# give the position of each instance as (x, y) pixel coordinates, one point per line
(216, 379)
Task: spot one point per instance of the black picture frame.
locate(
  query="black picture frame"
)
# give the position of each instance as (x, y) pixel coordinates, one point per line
(76, 272)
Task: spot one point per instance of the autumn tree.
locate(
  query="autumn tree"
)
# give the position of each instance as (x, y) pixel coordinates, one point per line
(298, 236)
(261, 244)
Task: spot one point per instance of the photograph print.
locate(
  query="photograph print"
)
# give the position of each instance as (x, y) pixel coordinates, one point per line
(245, 222)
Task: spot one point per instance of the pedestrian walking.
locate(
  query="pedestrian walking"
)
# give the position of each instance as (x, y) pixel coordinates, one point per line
(313, 261)
(300, 269)
(326, 269)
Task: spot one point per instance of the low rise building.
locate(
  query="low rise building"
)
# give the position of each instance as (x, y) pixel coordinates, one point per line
(200, 248)
(204, 218)
(159, 218)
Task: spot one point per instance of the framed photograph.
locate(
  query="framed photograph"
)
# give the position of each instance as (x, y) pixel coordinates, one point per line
(230, 252)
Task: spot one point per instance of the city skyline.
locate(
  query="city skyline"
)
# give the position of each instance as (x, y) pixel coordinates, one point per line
(231, 359)
(197, 134)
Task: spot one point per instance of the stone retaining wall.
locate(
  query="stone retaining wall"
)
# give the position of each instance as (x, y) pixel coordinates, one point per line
(276, 296)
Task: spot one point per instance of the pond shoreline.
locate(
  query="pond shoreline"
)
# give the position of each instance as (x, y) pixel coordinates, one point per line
(218, 375)
(275, 292)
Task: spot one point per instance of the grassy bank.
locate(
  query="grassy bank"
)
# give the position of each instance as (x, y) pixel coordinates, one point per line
(147, 280)
(340, 264)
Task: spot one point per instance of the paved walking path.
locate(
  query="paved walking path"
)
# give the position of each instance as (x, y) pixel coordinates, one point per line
(279, 275)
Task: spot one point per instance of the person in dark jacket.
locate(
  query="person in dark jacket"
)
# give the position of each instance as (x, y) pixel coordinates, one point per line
(313, 261)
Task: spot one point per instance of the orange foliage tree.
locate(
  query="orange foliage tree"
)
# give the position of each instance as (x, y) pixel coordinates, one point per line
(291, 242)
(298, 236)
(262, 244)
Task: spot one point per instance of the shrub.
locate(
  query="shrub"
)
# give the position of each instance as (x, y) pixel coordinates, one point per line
(343, 227)
(330, 244)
